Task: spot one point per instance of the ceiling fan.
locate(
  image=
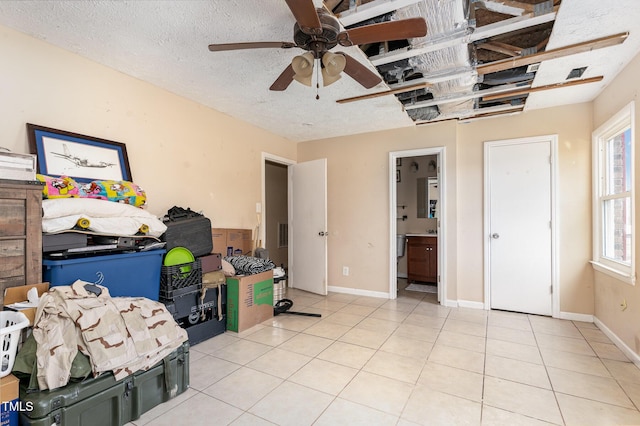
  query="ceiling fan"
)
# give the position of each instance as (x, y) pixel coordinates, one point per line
(318, 31)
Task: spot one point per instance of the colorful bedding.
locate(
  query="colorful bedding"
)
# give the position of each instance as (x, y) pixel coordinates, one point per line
(111, 190)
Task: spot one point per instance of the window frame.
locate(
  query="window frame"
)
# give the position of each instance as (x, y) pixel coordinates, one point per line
(625, 118)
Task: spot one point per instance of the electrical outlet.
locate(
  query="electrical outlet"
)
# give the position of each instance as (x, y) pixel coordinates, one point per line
(345, 271)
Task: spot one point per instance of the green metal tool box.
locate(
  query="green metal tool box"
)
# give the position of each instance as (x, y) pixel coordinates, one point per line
(106, 401)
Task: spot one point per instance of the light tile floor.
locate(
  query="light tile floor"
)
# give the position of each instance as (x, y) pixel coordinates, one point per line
(407, 361)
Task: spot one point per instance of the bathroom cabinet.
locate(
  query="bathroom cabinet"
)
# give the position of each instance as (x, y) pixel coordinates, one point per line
(422, 259)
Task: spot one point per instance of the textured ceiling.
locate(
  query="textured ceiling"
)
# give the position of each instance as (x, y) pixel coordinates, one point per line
(165, 43)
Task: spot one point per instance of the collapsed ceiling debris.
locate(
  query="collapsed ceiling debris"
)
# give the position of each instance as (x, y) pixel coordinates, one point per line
(478, 58)
(470, 62)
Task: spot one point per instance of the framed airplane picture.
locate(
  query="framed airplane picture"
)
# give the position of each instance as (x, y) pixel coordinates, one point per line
(83, 158)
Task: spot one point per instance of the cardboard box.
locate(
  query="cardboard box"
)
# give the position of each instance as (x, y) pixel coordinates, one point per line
(249, 300)
(19, 294)
(232, 242)
(9, 391)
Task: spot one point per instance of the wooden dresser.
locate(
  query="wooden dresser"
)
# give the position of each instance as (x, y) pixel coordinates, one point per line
(422, 259)
(20, 234)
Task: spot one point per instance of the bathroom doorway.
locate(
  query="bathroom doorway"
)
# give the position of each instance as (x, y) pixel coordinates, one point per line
(417, 212)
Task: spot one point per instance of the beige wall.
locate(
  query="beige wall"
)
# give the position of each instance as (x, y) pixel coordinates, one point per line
(572, 124)
(358, 200)
(611, 293)
(358, 189)
(181, 153)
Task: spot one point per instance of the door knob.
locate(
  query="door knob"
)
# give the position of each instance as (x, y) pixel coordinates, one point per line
(323, 234)
(495, 235)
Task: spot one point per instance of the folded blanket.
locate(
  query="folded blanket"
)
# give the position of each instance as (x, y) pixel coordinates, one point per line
(103, 216)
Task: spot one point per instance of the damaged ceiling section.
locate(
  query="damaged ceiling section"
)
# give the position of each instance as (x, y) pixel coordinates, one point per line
(479, 57)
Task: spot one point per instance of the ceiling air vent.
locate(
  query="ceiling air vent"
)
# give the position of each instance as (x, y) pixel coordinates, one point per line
(533, 68)
(576, 73)
(283, 235)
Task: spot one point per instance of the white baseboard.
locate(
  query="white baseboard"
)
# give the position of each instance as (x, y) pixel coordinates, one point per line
(576, 317)
(634, 357)
(357, 292)
(470, 304)
(450, 303)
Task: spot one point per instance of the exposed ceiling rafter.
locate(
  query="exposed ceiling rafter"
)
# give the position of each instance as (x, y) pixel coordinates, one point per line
(526, 91)
(475, 114)
(468, 96)
(431, 44)
(494, 111)
(371, 10)
(385, 93)
(585, 46)
(464, 35)
(527, 20)
(513, 8)
(504, 48)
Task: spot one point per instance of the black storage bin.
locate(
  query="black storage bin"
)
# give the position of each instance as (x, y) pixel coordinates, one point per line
(180, 279)
(105, 401)
(188, 310)
(206, 330)
(190, 304)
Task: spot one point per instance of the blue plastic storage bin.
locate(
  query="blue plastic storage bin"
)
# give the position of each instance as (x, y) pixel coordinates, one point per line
(125, 274)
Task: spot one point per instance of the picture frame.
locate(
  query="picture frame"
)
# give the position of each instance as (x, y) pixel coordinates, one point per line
(81, 157)
(397, 175)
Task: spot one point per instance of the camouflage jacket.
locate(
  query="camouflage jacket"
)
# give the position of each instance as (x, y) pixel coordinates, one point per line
(119, 334)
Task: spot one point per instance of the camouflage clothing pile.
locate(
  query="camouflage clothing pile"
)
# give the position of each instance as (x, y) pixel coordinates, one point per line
(119, 334)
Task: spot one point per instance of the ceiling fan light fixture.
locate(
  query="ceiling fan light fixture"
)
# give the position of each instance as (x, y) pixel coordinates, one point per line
(303, 68)
(333, 65)
(328, 79)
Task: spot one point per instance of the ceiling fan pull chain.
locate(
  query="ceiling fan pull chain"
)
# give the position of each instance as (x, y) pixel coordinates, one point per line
(317, 79)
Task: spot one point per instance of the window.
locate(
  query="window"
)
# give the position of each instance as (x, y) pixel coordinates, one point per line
(613, 215)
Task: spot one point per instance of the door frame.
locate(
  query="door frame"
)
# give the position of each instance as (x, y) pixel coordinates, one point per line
(393, 222)
(553, 148)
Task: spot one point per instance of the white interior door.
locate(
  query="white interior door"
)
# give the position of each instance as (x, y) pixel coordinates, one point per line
(308, 236)
(519, 232)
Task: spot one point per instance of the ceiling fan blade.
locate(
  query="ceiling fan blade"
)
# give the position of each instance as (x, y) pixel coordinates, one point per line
(385, 31)
(360, 73)
(251, 45)
(306, 16)
(284, 80)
